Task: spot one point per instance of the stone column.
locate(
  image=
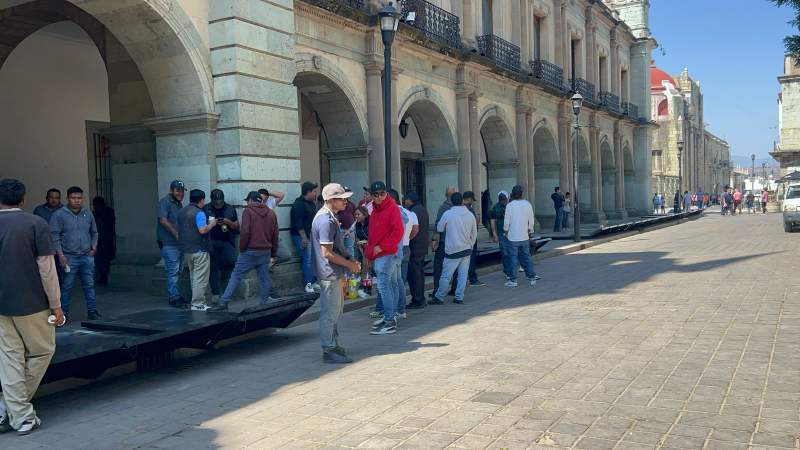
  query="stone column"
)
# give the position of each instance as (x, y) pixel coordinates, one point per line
(591, 48)
(560, 31)
(475, 149)
(531, 162)
(614, 82)
(464, 137)
(522, 146)
(619, 193)
(377, 164)
(596, 214)
(469, 23)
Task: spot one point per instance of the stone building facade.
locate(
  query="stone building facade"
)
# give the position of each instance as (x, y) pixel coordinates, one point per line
(677, 107)
(787, 151)
(245, 94)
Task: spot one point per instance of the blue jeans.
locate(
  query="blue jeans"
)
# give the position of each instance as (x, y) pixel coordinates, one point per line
(331, 305)
(247, 261)
(503, 241)
(350, 242)
(401, 288)
(558, 224)
(83, 267)
(172, 267)
(564, 218)
(387, 269)
(305, 255)
(520, 255)
(449, 267)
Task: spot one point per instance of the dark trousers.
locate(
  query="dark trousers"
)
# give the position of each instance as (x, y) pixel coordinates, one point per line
(473, 275)
(102, 267)
(438, 263)
(416, 279)
(223, 257)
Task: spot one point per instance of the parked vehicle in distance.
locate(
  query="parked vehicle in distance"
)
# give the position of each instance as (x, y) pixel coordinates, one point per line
(791, 207)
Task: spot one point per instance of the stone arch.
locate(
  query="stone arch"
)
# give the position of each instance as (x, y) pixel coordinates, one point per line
(608, 175)
(428, 152)
(498, 151)
(547, 172)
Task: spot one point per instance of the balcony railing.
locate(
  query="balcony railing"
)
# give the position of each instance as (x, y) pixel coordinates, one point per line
(339, 6)
(504, 54)
(630, 110)
(436, 23)
(584, 88)
(610, 101)
(551, 74)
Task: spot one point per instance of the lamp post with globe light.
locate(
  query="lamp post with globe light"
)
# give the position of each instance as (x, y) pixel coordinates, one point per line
(390, 19)
(577, 103)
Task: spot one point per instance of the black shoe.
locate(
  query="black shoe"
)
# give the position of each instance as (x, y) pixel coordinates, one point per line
(416, 305)
(222, 307)
(93, 315)
(458, 302)
(477, 283)
(340, 350)
(332, 357)
(5, 424)
(536, 278)
(435, 301)
(101, 282)
(389, 327)
(177, 303)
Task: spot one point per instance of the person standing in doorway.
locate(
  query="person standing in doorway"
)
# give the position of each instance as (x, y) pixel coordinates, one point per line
(461, 232)
(331, 263)
(558, 205)
(52, 204)
(383, 250)
(303, 211)
(167, 235)
(518, 224)
(222, 248)
(419, 250)
(437, 243)
(194, 227)
(469, 201)
(257, 242)
(106, 238)
(496, 218)
(29, 293)
(74, 232)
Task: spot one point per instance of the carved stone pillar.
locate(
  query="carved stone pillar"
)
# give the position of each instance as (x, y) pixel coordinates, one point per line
(377, 163)
(619, 193)
(463, 131)
(475, 149)
(522, 146)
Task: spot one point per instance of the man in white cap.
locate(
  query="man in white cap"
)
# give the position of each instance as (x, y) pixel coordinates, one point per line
(331, 261)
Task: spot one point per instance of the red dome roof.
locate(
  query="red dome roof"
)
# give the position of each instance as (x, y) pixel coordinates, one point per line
(657, 76)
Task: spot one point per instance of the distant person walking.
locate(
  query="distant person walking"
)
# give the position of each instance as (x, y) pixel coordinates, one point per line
(764, 200)
(750, 199)
(656, 203)
(519, 222)
(29, 293)
(194, 227)
(566, 210)
(676, 202)
(687, 201)
(461, 232)
(558, 205)
(737, 201)
(106, 238)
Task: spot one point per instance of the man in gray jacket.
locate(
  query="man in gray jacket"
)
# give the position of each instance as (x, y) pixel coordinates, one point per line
(75, 239)
(461, 231)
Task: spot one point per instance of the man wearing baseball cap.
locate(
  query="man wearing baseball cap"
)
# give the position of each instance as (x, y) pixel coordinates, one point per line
(496, 219)
(331, 263)
(167, 237)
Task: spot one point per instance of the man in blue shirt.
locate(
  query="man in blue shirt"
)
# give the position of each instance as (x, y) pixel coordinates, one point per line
(194, 227)
(52, 204)
(167, 234)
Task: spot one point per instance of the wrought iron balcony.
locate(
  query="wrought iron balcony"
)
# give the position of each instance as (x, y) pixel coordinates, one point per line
(340, 6)
(630, 110)
(549, 73)
(610, 101)
(436, 23)
(584, 88)
(505, 55)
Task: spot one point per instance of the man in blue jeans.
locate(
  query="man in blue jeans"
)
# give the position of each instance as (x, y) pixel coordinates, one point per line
(74, 234)
(461, 232)
(518, 224)
(303, 210)
(258, 238)
(167, 234)
(558, 205)
(496, 217)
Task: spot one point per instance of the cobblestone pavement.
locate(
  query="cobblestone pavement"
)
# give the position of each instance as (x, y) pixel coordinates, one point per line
(685, 337)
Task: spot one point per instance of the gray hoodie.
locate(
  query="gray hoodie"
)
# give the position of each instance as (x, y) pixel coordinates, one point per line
(73, 234)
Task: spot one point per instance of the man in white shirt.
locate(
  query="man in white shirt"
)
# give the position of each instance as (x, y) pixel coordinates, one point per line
(518, 225)
(461, 231)
(411, 228)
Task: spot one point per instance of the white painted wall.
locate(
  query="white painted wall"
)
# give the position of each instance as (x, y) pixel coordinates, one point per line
(51, 84)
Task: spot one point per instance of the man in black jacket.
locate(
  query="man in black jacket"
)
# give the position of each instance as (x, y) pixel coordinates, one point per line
(304, 209)
(419, 249)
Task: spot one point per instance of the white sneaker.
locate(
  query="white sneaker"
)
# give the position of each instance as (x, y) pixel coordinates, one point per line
(316, 287)
(377, 322)
(532, 282)
(309, 288)
(362, 293)
(200, 307)
(510, 283)
(29, 426)
(401, 315)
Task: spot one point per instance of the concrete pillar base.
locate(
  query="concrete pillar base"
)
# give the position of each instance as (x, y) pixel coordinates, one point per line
(594, 217)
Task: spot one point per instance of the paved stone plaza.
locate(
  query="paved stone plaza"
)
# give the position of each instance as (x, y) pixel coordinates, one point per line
(685, 337)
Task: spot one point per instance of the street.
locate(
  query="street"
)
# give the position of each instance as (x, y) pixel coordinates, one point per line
(685, 337)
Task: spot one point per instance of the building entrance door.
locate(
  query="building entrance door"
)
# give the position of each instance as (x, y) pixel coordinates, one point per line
(414, 177)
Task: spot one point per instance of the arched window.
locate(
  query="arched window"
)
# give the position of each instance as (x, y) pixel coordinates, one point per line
(663, 108)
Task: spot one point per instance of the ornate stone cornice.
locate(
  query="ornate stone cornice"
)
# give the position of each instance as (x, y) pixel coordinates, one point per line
(510, 163)
(361, 151)
(183, 124)
(323, 15)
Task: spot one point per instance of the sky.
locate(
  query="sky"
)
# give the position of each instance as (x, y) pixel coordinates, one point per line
(735, 49)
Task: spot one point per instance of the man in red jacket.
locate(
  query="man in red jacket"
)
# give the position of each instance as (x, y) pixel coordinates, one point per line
(385, 234)
(258, 237)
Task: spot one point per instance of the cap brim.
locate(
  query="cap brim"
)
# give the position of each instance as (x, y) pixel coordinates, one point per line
(343, 195)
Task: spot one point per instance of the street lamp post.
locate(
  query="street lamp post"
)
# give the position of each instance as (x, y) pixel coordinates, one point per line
(577, 102)
(390, 19)
(680, 176)
(753, 178)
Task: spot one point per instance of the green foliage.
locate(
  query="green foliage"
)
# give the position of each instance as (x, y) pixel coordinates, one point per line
(792, 43)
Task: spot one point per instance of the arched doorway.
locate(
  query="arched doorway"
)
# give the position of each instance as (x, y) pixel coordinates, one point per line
(547, 173)
(498, 155)
(584, 175)
(89, 87)
(428, 151)
(609, 178)
(333, 142)
(630, 179)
